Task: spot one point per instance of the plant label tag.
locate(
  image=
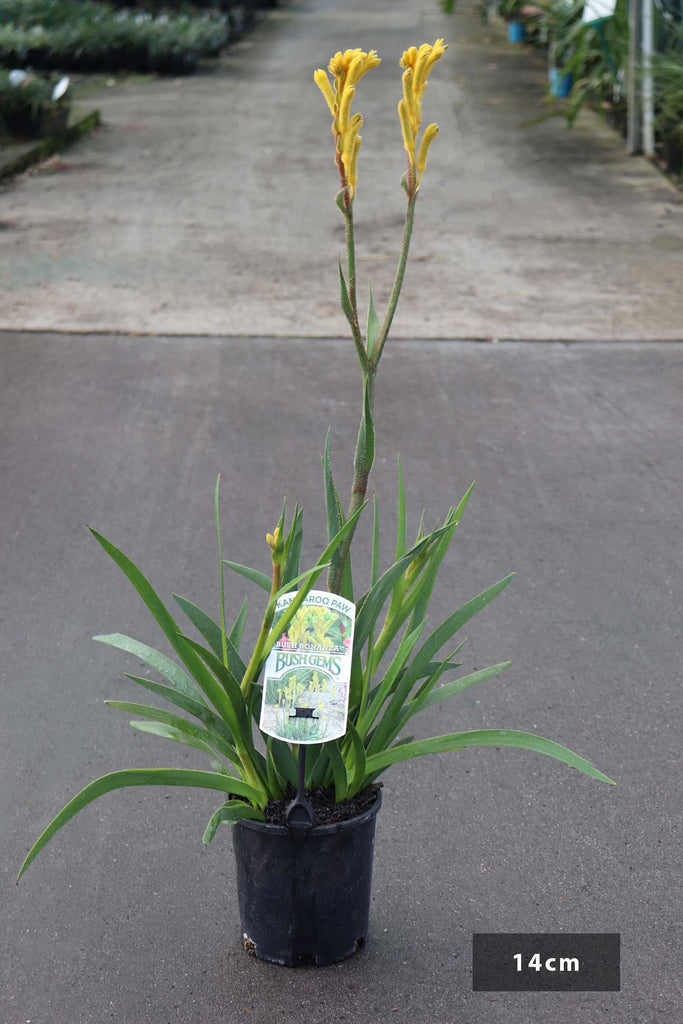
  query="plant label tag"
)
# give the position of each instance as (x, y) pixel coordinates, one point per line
(598, 10)
(308, 671)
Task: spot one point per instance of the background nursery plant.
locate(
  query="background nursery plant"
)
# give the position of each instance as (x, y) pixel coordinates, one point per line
(399, 664)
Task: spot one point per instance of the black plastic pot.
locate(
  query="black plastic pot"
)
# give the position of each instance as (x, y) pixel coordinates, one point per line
(305, 898)
(39, 124)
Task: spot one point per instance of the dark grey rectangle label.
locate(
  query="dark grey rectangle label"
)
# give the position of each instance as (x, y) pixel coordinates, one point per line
(562, 962)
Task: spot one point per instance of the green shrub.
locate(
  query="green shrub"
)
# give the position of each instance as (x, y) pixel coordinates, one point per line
(25, 103)
(89, 36)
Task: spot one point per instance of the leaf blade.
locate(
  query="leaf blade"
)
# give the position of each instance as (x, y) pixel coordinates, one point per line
(171, 672)
(374, 326)
(259, 578)
(231, 811)
(136, 777)
(481, 738)
(203, 623)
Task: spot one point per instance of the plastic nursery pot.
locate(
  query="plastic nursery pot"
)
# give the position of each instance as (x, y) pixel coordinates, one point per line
(28, 125)
(516, 32)
(560, 85)
(305, 897)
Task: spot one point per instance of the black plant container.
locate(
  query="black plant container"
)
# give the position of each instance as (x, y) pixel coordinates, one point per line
(305, 898)
(40, 124)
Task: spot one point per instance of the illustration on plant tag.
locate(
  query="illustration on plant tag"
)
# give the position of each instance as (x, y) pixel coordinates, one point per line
(307, 673)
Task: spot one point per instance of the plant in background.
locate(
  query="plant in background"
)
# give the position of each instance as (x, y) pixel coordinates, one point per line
(561, 27)
(27, 101)
(87, 35)
(596, 55)
(511, 10)
(399, 666)
(667, 70)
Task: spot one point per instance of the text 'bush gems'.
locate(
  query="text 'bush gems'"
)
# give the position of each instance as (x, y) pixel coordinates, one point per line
(398, 667)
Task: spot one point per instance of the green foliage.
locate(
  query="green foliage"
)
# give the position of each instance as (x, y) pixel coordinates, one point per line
(667, 69)
(34, 94)
(561, 27)
(26, 105)
(85, 35)
(400, 665)
(391, 612)
(510, 9)
(595, 54)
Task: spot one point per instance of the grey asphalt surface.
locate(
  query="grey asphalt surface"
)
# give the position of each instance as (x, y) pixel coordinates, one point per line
(577, 454)
(205, 205)
(160, 223)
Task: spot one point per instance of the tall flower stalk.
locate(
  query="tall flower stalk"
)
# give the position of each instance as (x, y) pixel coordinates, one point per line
(215, 688)
(346, 69)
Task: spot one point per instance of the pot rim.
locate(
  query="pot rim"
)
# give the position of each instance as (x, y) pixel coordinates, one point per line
(317, 830)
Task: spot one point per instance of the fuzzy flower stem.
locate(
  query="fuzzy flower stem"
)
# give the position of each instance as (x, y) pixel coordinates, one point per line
(400, 274)
(361, 473)
(362, 466)
(351, 262)
(351, 270)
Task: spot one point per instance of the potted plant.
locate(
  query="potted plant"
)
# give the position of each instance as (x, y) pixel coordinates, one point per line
(304, 813)
(511, 10)
(33, 107)
(562, 26)
(668, 81)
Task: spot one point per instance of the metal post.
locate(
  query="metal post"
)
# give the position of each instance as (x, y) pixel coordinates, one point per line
(634, 134)
(648, 94)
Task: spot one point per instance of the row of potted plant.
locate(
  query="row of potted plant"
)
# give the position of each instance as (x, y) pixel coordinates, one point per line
(668, 86)
(188, 5)
(33, 106)
(92, 36)
(587, 64)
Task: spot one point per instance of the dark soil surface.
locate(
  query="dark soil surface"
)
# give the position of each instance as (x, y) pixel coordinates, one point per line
(327, 812)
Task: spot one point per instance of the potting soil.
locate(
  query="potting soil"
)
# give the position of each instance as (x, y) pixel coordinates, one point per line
(327, 812)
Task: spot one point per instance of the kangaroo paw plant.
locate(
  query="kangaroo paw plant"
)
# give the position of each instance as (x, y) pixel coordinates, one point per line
(210, 694)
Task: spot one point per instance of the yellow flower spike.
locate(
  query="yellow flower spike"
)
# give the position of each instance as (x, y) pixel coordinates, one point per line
(407, 129)
(361, 64)
(351, 144)
(421, 69)
(353, 176)
(417, 62)
(355, 69)
(352, 129)
(346, 69)
(335, 67)
(409, 57)
(344, 108)
(271, 538)
(430, 134)
(408, 94)
(438, 50)
(322, 81)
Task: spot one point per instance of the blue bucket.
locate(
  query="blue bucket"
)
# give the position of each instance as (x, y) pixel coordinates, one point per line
(516, 32)
(560, 85)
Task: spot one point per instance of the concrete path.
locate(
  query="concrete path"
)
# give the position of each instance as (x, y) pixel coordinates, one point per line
(206, 204)
(125, 917)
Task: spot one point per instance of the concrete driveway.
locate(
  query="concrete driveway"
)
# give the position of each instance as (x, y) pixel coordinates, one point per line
(125, 917)
(205, 205)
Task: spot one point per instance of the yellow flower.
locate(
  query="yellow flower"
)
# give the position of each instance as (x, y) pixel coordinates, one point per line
(271, 538)
(346, 70)
(431, 131)
(417, 63)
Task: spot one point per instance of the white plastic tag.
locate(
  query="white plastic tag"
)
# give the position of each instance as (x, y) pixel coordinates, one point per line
(307, 673)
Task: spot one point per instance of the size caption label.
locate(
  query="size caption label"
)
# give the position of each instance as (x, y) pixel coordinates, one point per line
(562, 962)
